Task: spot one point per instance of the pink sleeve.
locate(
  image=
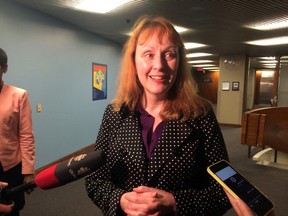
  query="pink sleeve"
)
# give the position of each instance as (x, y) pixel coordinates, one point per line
(26, 135)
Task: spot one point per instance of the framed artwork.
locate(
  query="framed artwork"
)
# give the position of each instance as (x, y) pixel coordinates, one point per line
(99, 83)
(225, 86)
(235, 86)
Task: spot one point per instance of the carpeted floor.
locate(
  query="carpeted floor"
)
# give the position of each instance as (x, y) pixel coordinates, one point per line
(272, 181)
(72, 200)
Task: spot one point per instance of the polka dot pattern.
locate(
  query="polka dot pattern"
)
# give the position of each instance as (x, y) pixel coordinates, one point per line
(178, 163)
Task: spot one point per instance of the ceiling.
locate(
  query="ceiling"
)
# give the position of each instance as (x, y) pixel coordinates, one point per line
(219, 24)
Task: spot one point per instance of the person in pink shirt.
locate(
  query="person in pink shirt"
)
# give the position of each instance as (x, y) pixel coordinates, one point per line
(17, 146)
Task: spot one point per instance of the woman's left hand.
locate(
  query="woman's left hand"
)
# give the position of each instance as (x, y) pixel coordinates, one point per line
(27, 179)
(164, 201)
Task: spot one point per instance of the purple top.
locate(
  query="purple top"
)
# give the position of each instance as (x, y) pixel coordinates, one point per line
(149, 137)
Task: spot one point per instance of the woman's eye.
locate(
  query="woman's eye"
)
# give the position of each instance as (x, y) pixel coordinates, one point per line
(170, 55)
(148, 55)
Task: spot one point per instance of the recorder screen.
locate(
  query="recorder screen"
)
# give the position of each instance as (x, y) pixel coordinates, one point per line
(245, 190)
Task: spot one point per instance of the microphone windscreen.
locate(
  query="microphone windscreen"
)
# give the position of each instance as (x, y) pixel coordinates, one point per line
(46, 179)
(70, 170)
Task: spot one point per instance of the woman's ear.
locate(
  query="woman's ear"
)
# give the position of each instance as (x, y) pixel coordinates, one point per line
(5, 68)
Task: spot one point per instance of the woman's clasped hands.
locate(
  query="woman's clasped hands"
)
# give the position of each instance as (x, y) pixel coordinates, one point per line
(148, 201)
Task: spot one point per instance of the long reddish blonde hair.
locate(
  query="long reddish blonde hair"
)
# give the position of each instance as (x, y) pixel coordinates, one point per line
(182, 102)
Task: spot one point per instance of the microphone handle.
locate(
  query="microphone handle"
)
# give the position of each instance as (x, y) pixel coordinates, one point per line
(6, 194)
(20, 188)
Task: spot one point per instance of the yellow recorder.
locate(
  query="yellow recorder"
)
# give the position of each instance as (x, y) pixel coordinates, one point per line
(239, 187)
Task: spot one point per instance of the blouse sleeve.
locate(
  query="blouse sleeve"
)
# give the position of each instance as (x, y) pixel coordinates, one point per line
(105, 194)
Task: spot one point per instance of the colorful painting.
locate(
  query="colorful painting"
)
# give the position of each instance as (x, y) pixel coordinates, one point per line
(99, 75)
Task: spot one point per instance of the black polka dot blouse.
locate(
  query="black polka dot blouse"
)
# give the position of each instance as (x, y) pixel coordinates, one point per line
(178, 164)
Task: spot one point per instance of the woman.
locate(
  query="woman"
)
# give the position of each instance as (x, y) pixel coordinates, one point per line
(158, 134)
(17, 144)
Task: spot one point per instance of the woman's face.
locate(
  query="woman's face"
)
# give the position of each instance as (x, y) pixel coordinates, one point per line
(156, 63)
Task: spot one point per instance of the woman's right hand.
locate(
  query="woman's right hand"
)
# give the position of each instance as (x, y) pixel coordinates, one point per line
(4, 208)
(241, 208)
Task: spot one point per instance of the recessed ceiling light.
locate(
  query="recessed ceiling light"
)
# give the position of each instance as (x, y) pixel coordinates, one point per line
(267, 73)
(211, 68)
(191, 45)
(269, 41)
(270, 25)
(269, 64)
(180, 29)
(268, 61)
(204, 65)
(199, 61)
(194, 55)
(97, 6)
(268, 57)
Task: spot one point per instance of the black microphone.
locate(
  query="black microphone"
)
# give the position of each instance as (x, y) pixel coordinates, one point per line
(60, 174)
(70, 170)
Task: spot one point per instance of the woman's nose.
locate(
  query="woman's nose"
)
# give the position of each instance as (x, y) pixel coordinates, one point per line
(158, 62)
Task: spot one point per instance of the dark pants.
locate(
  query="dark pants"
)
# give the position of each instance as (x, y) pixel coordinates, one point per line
(14, 178)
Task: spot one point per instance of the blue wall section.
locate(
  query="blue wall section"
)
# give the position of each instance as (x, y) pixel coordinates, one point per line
(53, 61)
